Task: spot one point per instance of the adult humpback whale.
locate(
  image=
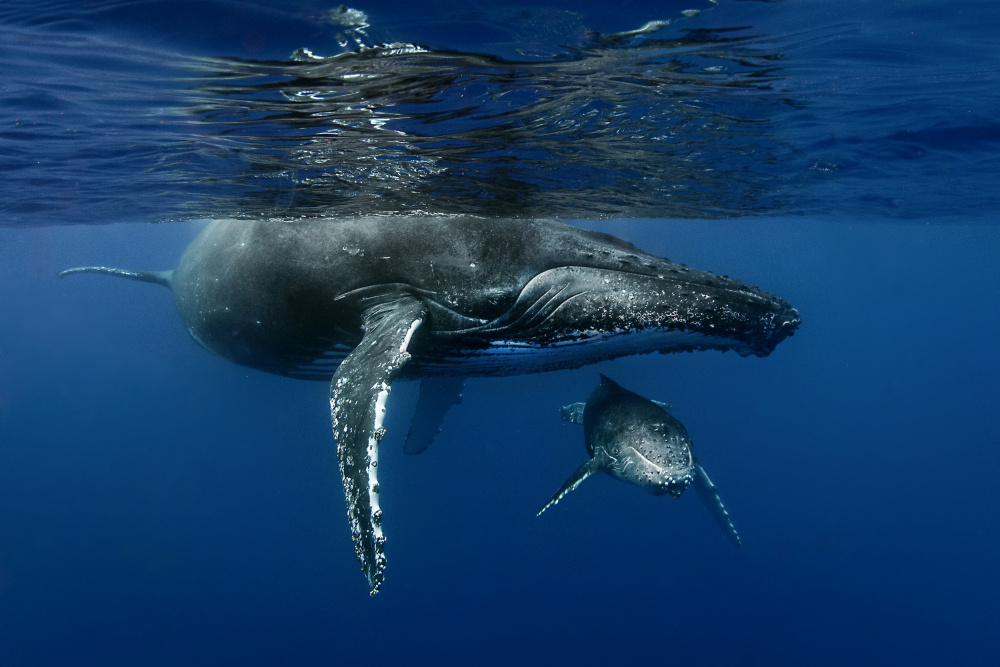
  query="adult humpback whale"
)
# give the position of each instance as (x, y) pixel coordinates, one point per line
(638, 441)
(364, 300)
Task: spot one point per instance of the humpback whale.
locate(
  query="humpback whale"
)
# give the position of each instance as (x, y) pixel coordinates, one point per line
(638, 441)
(358, 302)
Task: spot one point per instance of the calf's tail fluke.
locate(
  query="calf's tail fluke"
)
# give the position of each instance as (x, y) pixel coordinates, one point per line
(156, 277)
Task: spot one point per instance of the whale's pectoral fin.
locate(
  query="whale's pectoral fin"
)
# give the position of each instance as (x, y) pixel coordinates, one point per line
(580, 474)
(358, 395)
(573, 413)
(710, 496)
(437, 395)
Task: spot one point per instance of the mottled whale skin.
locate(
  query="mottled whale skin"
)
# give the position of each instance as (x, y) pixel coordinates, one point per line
(638, 441)
(365, 300)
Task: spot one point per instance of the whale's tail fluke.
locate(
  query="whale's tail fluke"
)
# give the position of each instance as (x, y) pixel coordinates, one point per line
(156, 277)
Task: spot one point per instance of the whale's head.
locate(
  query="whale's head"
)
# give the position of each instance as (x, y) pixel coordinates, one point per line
(661, 466)
(668, 308)
(637, 441)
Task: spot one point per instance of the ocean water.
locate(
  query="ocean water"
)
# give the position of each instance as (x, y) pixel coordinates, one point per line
(161, 506)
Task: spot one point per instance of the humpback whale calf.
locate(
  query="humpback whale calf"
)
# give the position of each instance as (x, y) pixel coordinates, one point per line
(637, 441)
(360, 301)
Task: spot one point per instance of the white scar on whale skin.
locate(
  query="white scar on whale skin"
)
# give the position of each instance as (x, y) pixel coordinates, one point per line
(376, 511)
(409, 334)
(377, 432)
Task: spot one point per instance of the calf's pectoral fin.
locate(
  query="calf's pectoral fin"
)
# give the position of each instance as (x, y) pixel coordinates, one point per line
(580, 474)
(437, 395)
(358, 396)
(573, 413)
(710, 496)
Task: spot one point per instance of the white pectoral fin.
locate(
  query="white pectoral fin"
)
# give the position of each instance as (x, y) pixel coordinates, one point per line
(573, 413)
(358, 396)
(580, 474)
(437, 395)
(710, 496)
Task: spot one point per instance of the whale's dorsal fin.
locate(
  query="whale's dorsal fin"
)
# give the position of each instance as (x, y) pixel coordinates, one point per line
(437, 395)
(573, 413)
(155, 277)
(710, 496)
(358, 395)
(580, 474)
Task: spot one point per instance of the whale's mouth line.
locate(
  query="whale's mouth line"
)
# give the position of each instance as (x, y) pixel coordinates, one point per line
(660, 468)
(506, 356)
(655, 466)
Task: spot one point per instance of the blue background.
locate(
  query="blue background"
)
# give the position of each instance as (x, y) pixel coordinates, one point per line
(160, 506)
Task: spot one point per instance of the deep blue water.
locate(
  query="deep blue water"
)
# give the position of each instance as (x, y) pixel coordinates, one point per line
(160, 506)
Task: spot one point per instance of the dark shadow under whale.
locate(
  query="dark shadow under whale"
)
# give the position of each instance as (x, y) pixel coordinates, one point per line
(365, 300)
